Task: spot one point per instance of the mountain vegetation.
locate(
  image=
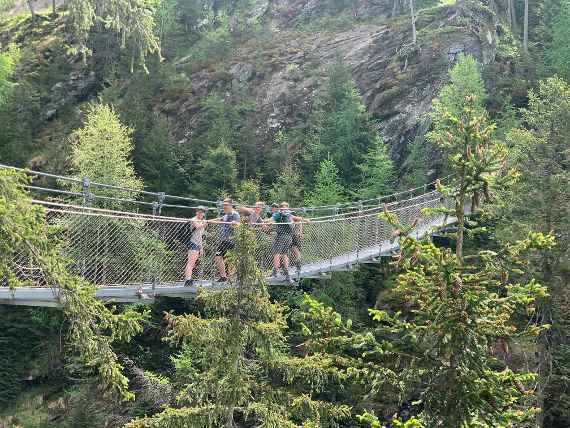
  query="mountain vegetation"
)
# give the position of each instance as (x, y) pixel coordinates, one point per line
(313, 102)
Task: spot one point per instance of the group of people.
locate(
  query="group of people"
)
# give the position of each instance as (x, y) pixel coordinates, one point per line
(288, 237)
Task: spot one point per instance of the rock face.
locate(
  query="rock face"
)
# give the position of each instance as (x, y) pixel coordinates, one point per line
(397, 80)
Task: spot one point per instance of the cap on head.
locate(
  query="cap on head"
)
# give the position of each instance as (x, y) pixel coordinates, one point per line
(201, 208)
(274, 205)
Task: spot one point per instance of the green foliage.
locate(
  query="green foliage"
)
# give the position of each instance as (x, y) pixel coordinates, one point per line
(416, 164)
(341, 129)
(231, 365)
(132, 21)
(464, 80)
(463, 305)
(288, 187)
(218, 171)
(371, 420)
(156, 159)
(378, 175)
(6, 5)
(30, 347)
(328, 187)
(249, 191)
(559, 52)
(101, 150)
(8, 61)
(92, 326)
(541, 201)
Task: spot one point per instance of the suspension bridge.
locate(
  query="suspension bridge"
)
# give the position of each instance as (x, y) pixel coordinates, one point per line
(132, 250)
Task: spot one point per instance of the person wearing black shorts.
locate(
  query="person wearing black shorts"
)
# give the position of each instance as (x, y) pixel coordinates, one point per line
(283, 220)
(227, 222)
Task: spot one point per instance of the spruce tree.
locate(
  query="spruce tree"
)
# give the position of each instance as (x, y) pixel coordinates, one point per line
(132, 21)
(101, 150)
(378, 175)
(233, 368)
(559, 53)
(340, 127)
(92, 327)
(8, 62)
(288, 187)
(217, 172)
(328, 187)
(541, 201)
(466, 305)
(464, 80)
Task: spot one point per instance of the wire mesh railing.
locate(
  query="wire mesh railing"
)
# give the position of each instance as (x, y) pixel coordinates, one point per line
(113, 248)
(84, 191)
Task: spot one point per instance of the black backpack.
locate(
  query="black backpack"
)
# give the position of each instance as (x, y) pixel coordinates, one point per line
(285, 217)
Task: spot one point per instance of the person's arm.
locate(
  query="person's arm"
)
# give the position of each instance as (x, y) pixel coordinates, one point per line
(298, 219)
(245, 210)
(200, 224)
(216, 220)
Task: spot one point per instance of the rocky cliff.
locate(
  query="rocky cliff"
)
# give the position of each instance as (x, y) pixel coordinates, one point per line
(283, 70)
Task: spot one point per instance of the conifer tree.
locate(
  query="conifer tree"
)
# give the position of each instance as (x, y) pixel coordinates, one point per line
(8, 61)
(92, 327)
(217, 172)
(341, 128)
(541, 201)
(464, 80)
(559, 53)
(378, 173)
(328, 188)
(417, 164)
(465, 306)
(101, 150)
(232, 365)
(288, 187)
(132, 21)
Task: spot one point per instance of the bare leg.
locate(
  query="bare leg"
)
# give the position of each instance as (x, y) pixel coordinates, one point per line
(221, 265)
(192, 258)
(276, 261)
(296, 254)
(286, 262)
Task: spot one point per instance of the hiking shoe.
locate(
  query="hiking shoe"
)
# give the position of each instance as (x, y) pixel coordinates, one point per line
(223, 279)
(274, 274)
(189, 283)
(288, 279)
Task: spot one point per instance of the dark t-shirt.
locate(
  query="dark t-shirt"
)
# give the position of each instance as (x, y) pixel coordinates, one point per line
(227, 230)
(285, 222)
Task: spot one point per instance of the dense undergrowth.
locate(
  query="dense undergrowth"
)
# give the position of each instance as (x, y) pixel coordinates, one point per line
(410, 338)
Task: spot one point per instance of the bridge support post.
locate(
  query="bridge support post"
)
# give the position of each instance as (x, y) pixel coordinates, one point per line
(85, 187)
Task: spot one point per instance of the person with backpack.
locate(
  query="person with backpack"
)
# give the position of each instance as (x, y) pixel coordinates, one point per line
(195, 244)
(227, 222)
(283, 219)
(254, 214)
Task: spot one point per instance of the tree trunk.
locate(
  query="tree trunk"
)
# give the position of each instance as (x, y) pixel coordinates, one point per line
(513, 15)
(31, 7)
(53, 7)
(414, 33)
(460, 214)
(525, 29)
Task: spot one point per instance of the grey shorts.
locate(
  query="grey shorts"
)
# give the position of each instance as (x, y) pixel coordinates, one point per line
(282, 244)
